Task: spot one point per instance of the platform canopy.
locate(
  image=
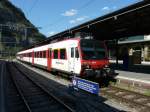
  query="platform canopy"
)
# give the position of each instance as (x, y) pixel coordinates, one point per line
(129, 21)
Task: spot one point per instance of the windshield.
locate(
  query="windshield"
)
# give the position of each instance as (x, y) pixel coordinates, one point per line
(92, 50)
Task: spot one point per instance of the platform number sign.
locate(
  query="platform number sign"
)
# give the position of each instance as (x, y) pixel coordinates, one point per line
(86, 85)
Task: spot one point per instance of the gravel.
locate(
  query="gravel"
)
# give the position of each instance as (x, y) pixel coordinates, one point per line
(109, 102)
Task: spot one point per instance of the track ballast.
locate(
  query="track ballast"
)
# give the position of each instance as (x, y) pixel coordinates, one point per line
(34, 96)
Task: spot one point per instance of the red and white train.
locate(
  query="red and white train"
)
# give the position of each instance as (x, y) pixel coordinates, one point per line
(75, 56)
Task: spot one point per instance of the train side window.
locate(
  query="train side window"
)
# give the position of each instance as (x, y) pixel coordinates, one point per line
(76, 53)
(49, 53)
(44, 54)
(55, 54)
(72, 52)
(41, 54)
(62, 53)
(37, 54)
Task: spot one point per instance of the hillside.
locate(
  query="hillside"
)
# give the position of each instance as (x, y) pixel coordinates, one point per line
(15, 30)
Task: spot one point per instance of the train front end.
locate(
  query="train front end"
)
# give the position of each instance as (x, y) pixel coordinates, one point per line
(94, 60)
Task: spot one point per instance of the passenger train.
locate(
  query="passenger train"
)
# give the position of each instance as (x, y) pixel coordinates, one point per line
(75, 56)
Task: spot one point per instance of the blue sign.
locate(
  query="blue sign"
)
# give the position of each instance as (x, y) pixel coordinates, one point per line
(86, 85)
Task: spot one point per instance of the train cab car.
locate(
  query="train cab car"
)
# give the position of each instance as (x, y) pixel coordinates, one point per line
(94, 60)
(76, 56)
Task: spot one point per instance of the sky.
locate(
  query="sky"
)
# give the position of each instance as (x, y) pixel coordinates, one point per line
(54, 16)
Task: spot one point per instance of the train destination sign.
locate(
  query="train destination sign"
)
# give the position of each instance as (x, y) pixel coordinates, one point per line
(86, 85)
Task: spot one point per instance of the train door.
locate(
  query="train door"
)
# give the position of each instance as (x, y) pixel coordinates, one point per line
(77, 66)
(49, 59)
(71, 59)
(74, 60)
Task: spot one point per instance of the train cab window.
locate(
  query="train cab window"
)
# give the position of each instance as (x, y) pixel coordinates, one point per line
(76, 53)
(62, 53)
(72, 52)
(55, 54)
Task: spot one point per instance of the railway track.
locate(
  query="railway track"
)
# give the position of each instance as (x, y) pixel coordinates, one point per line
(75, 99)
(115, 93)
(33, 95)
(15, 102)
(132, 99)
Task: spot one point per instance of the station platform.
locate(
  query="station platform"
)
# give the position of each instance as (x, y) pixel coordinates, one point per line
(137, 75)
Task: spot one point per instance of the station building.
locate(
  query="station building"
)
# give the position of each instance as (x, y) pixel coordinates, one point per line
(138, 48)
